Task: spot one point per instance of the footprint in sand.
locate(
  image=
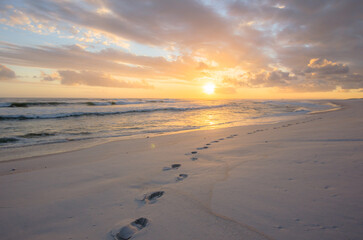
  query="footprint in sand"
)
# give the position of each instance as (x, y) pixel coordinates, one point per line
(279, 227)
(129, 230)
(232, 135)
(151, 198)
(173, 166)
(201, 148)
(181, 177)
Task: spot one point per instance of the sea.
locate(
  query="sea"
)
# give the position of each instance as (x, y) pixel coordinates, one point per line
(38, 126)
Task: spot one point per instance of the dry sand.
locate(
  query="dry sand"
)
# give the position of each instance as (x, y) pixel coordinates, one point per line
(301, 179)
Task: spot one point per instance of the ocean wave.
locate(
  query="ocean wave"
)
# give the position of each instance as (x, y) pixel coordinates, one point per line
(303, 104)
(301, 109)
(80, 114)
(4, 105)
(33, 104)
(37, 135)
(125, 102)
(8, 140)
(50, 104)
(30, 104)
(128, 102)
(161, 101)
(88, 103)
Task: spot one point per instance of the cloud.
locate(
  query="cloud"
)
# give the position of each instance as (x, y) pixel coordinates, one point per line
(98, 79)
(146, 22)
(307, 29)
(273, 78)
(319, 75)
(323, 66)
(6, 73)
(263, 78)
(190, 26)
(65, 57)
(112, 61)
(249, 33)
(275, 43)
(49, 77)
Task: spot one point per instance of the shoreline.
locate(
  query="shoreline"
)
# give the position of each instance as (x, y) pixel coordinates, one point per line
(43, 136)
(94, 143)
(137, 140)
(89, 143)
(284, 180)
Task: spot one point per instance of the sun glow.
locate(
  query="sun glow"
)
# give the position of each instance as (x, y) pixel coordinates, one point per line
(208, 88)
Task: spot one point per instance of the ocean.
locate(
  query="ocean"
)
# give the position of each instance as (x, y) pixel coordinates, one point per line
(31, 127)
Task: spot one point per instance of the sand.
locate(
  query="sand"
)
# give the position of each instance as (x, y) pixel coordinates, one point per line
(301, 179)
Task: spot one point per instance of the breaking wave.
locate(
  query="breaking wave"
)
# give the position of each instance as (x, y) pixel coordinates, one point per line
(80, 114)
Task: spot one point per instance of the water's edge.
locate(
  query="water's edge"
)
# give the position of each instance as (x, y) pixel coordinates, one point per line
(31, 136)
(85, 144)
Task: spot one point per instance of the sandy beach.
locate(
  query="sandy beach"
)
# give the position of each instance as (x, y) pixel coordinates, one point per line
(300, 179)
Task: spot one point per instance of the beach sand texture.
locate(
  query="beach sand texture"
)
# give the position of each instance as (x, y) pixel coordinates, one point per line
(300, 179)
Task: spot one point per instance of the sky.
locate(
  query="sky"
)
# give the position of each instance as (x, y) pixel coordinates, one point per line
(261, 49)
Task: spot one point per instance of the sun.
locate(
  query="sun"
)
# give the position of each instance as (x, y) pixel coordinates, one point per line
(208, 88)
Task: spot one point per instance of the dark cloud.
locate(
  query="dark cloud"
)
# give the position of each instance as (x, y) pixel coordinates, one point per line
(323, 66)
(6, 73)
(318, 75)
(263, 78)
(324, 83)
(302, 30)
(276, 78)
